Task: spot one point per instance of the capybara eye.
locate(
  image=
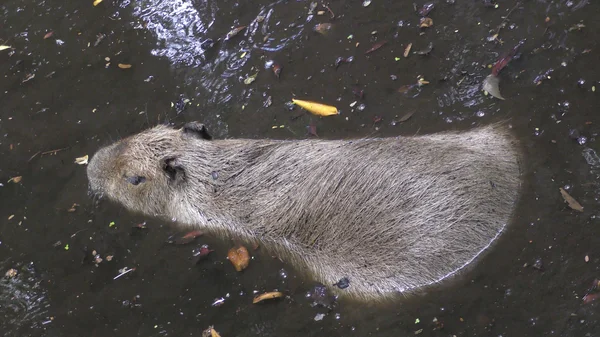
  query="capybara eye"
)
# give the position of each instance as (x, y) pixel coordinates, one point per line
(135, 180)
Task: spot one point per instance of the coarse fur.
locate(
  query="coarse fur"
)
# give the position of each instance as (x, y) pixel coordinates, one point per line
(393, 215)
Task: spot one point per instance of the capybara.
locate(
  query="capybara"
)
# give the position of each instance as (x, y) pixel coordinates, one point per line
(392, 215)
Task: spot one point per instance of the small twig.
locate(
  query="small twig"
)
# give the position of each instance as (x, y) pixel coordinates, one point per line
(54, 151)
(123, 273)
(500, 26)
(34, 156)
(329, 10)
(79, 231)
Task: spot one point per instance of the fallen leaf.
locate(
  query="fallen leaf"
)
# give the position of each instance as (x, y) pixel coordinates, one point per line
(425, 51)
(407, 50)
(232, 33)
(73, 208)
(82, 160)
(210, 332)
(421, 82)
(97, 2)
(425, 22)
(426, 9)
(49, 34)
(277, 70)
(239, 257)
(375, 47)
(15, 180)
(187, 238)
(491, 85)
(406, 117)
(504, 60)
(323, 28)
(571, 201)
(2, 47)
(124, 66)
(250, 79)
(267, 296)
(317, 108)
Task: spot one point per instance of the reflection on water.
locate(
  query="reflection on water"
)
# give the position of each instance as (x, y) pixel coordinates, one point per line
(23, 303)
(191, 34)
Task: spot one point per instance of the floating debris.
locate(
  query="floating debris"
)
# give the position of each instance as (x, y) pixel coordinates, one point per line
(426, 8)
(239, 257)
(323, 28)
(425, 22)
(375, 47)
(267, 296)
(82, 160)
(234, 32)
(573, 204)
(317, 108)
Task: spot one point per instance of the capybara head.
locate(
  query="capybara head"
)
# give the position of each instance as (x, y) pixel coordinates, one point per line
(143, 171)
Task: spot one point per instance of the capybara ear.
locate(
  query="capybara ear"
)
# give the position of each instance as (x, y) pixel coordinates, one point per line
(196, 129)
(173, 169)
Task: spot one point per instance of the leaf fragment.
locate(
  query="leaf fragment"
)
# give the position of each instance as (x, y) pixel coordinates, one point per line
(491, 85)
(317, 108)
(573, 204)
(97, 2)
(15, 180)
(210, 332)
(2, 47)
(124, 66)
(239, 257)
(425, 22)
(267, 296)
(234, 32)
(250, 79)
(407, 49)
(82, 160)
(48, 35)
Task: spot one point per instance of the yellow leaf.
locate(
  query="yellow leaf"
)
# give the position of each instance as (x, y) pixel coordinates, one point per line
(96, 2)
(317, 108)
(267, 296)
(2, 47)
(124, 66)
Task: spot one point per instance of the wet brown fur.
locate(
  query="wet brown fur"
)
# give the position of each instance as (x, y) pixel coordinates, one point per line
(393, 215)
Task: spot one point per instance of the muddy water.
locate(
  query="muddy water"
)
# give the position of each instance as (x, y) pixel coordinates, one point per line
(64, 96)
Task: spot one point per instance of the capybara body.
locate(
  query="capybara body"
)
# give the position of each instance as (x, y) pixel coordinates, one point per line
(392, 215)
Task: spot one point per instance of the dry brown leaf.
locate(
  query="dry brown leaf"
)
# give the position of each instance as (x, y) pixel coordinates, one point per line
(571, 201)
(267, 296)
(407, 50)
(15, 180)
(124, 66)
(426, 22)
(239, 257)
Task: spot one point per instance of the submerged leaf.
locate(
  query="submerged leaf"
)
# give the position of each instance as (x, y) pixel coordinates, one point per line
(375, 47)
(323, 28)
(573, 204)
(491, 85)
(317, 108)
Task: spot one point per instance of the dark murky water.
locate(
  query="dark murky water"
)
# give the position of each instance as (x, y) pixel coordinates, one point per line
(67, 93)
